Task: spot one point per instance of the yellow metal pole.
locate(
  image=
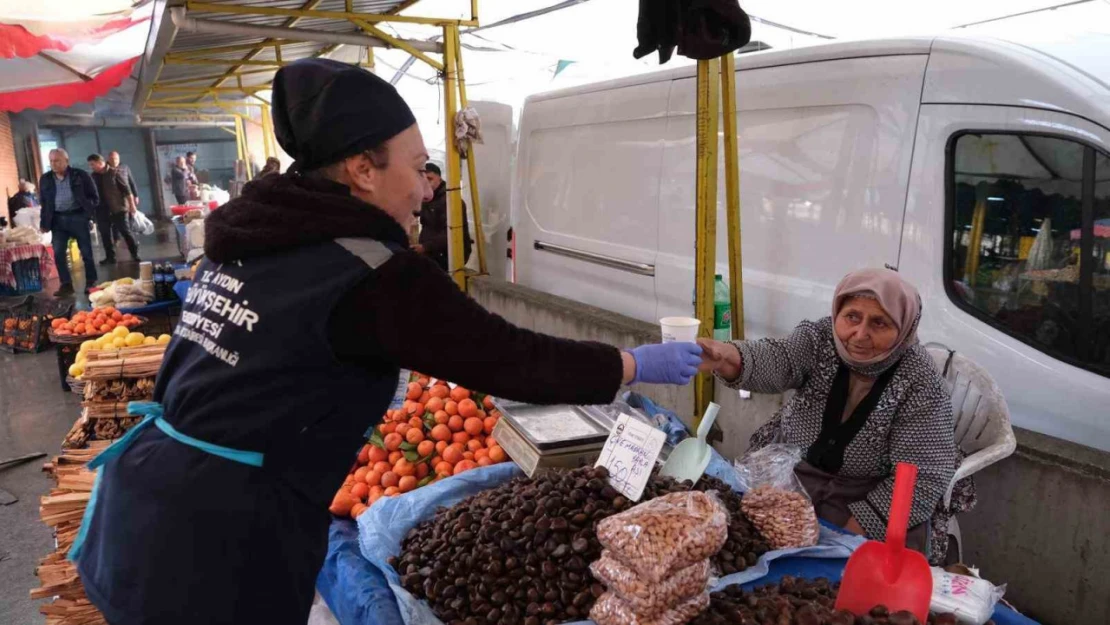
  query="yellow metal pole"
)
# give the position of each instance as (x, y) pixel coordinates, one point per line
(237, 62)
(397, 43)
(455, 260)
(268, 126)
(732, 195)
(975, 242)
(705, 262)
(471, 170)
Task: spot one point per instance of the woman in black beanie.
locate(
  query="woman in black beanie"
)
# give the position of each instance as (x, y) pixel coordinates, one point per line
(293, 339)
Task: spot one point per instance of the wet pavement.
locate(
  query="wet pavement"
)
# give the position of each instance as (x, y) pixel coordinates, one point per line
(35, 415)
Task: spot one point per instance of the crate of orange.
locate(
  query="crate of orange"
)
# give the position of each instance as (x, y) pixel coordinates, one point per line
(440, 431)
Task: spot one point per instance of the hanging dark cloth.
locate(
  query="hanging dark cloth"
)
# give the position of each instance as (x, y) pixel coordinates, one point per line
(700, 29)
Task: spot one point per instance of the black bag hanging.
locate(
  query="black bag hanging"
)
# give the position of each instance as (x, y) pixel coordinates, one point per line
(700, 29)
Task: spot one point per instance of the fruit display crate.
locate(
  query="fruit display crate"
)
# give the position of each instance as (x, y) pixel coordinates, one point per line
(28, 278)
(24, 327)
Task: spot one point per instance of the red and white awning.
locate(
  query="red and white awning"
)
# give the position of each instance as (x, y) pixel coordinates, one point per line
(59, 53)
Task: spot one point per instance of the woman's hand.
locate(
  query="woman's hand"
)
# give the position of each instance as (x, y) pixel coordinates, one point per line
(720, 358)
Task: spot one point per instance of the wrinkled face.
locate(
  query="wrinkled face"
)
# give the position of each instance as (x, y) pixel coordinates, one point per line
(865, 329)
(400, 187)
(113, 159)
(58, 162)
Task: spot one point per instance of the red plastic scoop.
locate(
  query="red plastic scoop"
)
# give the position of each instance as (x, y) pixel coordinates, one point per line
(887, 573)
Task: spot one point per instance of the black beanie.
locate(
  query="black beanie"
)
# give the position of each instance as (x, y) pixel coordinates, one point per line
(325, 111)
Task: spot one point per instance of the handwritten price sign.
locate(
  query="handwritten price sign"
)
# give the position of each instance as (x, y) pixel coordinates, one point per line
(629, 455)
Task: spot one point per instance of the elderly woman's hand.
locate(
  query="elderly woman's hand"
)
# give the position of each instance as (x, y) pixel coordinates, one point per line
(720, 358)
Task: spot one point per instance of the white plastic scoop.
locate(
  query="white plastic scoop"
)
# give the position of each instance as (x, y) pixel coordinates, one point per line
(689, 460)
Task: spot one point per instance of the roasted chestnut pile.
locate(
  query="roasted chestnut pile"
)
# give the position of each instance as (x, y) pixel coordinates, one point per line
(797, 602)
(519, 554)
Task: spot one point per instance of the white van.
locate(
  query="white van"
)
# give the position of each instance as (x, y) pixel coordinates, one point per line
(898, 152)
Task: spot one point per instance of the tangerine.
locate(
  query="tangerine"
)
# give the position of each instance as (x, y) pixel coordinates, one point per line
(467, 408)
(440, 446)
(360, 491)
(497, 454)
(402, 428)
(403, 468)
(451, 407)
(407, 484)
(474, 445)
(441, 433)
(484, 461)
(434, 404)
(374, 478)
(357, 510)
(442, 417)
(414, 391)
(393, 441)
(452, 454)
(414, 436)
(422, 470)
(394, 456)
(488, 424)
(459, 393)
(473, 426)
(444, 468)
(440, 391)
(392, 491)
(464, 466)
(426, 448)
(487, 401)
(460, 437)
(377, 454)
(390, 479)
(382, 466)
(360, 474)
(456, 423)
(364, 455)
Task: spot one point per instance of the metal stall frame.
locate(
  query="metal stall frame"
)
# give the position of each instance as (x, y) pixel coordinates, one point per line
(182, 96)
(716, 102)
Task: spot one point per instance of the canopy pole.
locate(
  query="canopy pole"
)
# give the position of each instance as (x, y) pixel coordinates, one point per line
(455, 260)
(706, 216)
(471, 170)
(975, 237)
(732, 195)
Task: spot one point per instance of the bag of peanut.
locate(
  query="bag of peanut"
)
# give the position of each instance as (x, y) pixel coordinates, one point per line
(666, 534)
(774, 499)
(611, 610)
(647, 599)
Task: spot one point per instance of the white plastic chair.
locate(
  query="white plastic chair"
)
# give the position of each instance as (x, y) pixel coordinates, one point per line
(982, 420)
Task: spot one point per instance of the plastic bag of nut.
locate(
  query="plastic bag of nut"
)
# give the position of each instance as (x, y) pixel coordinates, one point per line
(774, 499)
(666, 534)
(611, 610)
(646, 599)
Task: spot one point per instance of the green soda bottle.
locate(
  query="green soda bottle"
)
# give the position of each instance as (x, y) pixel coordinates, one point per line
(722, 310)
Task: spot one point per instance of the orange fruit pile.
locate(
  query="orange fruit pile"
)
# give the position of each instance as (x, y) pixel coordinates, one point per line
(92, 323)
(438, 432)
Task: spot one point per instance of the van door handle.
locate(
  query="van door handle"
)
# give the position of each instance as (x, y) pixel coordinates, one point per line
(642, 269)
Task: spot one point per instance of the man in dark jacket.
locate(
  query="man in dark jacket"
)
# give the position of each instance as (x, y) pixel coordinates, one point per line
(125, 174)
(302, 315)
(69, 201)
(179, 180)
(433, 221)
(116, 203)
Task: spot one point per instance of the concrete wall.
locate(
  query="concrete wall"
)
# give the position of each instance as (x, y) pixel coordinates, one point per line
(1042, 525)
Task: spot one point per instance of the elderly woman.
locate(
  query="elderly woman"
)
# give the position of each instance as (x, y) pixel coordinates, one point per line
(868, 396)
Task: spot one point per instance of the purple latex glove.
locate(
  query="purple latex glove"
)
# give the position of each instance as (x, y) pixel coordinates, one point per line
(666, 363)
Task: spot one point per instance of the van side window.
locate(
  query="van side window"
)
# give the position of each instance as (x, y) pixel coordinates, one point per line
(1029, 247)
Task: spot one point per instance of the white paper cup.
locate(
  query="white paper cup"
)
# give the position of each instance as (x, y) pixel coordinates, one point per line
(679, 329)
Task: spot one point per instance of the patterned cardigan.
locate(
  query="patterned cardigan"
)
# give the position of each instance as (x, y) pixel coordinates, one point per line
(912, 421)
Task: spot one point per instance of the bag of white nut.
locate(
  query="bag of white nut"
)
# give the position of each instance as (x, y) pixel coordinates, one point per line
(774, 499)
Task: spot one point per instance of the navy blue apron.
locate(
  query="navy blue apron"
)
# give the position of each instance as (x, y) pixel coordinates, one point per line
(213, 509)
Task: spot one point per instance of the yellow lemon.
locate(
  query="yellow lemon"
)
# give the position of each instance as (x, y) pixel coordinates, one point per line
(150, 340)
(120, 331)
(119, 342)
(134, 339)
(163, 339)
(87, 345)
(82, 357)
(75, 370)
